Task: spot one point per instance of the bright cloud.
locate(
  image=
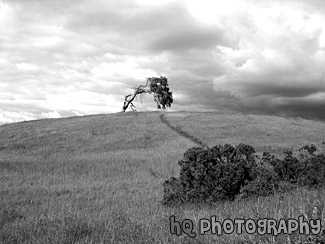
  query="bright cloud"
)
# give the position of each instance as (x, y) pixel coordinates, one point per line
(52, 114)
(210, 11)
(26, 67)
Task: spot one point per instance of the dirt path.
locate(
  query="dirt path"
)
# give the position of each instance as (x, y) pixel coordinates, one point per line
(181, 132)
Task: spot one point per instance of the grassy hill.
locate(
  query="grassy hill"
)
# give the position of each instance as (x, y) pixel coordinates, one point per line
(264, 133)
(98, 179)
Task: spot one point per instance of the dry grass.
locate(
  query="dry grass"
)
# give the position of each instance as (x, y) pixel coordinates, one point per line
(98, 179)
(264, 133)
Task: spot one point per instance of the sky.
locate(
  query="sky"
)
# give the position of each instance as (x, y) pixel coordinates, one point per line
(71, 58)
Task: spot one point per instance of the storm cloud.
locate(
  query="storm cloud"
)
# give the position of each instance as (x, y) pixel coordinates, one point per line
(66, 58)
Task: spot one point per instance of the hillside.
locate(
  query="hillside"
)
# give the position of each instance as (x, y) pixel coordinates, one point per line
(265, 133)
(99, 178)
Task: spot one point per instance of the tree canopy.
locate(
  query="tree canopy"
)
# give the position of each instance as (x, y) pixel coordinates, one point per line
(158, 86)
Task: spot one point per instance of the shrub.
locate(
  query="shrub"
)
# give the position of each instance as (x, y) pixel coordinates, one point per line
(304, 170)
(289, 168)
(313, 172)
(221, 173)
(210, 175)
(309, 148)
(173, 192)
(265, 183)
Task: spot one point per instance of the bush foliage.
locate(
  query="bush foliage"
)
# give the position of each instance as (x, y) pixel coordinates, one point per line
(221, 173)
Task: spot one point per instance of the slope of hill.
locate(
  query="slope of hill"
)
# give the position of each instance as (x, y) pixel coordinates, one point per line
(98, 179)
(60, 175)
(265, 133)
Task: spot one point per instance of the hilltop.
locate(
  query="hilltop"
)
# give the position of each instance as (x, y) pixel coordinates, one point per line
(140, 130)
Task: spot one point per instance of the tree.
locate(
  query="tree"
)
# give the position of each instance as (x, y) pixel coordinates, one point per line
(156, 85)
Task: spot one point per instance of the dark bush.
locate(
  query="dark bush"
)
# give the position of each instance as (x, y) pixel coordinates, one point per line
(311, 149)
(304, 170)
(265, 183)
(173, 192)
(289, 168)
(210, 175)
(221, 173)
(313, 172)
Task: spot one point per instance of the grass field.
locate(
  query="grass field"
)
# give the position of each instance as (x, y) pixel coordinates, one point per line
(264, 133)
(98, 179)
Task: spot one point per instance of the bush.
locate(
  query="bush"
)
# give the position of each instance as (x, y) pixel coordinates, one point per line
(210, 175)
(265, 183)
(313, 172)
(306, 170)
(289, 169)
(221, 173)
(173, 192)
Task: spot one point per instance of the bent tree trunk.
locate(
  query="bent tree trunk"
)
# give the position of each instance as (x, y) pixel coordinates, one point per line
(129, 101)
(158, 86)
(130, 98)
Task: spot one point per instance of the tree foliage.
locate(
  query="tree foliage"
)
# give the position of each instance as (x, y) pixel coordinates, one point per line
(158, 86)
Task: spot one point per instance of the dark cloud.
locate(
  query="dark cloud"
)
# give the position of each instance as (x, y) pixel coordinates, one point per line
(188, 38)
(274, 88)
(304, 108)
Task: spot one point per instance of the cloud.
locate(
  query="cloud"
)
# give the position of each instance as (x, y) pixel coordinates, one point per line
(52, 114)
(284, 68)
(11, 117)
(82, 57)
(190, 38)
(26, 67)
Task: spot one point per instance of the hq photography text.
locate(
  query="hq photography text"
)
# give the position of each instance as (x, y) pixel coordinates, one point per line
(240, 226)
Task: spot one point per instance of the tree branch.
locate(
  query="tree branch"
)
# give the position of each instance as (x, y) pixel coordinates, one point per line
(137, 91)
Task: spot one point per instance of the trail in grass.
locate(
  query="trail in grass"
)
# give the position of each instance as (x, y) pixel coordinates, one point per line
(181, 132)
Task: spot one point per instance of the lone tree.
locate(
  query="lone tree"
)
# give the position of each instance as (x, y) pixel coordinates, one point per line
(156, 85)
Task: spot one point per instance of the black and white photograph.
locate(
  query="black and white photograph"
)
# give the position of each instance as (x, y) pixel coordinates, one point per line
(162, 121)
